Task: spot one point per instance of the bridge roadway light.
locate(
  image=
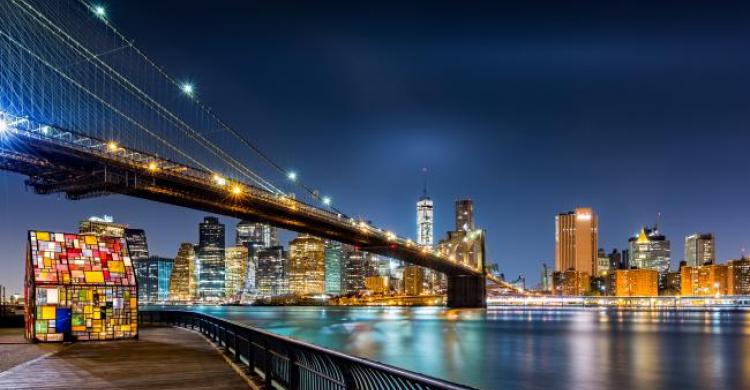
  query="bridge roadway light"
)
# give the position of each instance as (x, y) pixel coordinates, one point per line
(112, 146)
(326, 200)
(236, 190)
(3, 125)
(220, 180)
(152, 166)
(45, 130)
(292, 176)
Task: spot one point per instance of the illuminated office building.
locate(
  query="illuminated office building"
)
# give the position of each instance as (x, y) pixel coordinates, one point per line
(210, 255)
(272, 272)
(705, 280)
(413, 280)
(183, 283)
(738, 278)
(253, 233)
(153, 274)
(235, 272)
(355, 269)
(102, 226)
(306, 265)
(649, 250)
(377, 284)
(334, 266)
(602, 263)
(636, 283)
(700, 249)
(576, 241)
(570, 283)
(426, 230)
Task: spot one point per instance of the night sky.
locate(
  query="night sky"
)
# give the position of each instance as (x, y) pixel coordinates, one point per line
(530, 110)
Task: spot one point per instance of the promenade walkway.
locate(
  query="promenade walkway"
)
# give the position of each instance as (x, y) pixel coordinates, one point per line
(162, 358)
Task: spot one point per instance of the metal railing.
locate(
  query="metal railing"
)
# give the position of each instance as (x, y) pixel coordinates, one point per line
(285, 363)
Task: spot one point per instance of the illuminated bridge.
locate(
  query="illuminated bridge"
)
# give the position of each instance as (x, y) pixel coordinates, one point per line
(86, 113)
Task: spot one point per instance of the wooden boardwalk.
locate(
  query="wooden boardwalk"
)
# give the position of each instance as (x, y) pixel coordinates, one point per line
(163, 358)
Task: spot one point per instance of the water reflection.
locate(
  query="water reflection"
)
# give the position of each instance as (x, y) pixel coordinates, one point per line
(530, 348)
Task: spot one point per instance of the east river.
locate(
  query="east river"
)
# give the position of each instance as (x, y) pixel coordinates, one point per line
(512, 348)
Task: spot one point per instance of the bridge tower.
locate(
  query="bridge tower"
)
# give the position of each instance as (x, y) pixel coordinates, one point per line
(467, 290)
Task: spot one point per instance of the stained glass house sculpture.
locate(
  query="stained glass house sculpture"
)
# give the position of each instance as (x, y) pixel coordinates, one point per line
(79, 287)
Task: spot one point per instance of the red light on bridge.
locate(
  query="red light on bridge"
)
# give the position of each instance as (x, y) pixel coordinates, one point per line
(393, 246)
(356, 248)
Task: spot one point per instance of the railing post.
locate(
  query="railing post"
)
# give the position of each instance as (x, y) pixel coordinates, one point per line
(236, 344)
(250, 354)
(293, 369)
(268, 362)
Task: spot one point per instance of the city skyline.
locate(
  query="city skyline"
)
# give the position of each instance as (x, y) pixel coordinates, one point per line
(508, 139)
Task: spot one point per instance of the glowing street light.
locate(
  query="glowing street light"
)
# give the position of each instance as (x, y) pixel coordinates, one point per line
(152, 166)
(100, 11)
(45, 130)
(112, 146)
(187, 89)
(326, 201)
(220, 180)
(236, 190)
(292, 176)
(3, 125)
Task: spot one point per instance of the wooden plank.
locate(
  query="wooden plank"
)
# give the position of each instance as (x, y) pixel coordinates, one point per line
(163, 358)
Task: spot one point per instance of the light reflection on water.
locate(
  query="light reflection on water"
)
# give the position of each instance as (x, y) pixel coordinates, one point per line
(529, 348)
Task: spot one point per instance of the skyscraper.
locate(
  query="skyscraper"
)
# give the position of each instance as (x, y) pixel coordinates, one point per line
(650, 250)
(334, 266)
(137, 244)
(250, 233)
(183, 282)
(413, 283)
(576, 241)
(153, 274)
(700, 249)
(425, 222)
(306, 265)
(355, 269)
(235, 267)
(272, 273)
(465, 214)
(210, 255)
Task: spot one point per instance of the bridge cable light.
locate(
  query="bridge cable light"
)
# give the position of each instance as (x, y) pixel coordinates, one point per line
(292, 176)
(99, 11)
(326, 200)
(187, 89)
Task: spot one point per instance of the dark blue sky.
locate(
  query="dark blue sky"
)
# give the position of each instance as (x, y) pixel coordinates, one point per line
(630, 108)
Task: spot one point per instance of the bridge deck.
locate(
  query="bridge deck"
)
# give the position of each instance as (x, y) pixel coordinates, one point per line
(163, 358)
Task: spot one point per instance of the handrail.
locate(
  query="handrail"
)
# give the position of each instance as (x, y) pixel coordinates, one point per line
(287, 363)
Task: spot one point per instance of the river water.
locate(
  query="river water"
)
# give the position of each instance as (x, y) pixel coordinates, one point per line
(512, 348)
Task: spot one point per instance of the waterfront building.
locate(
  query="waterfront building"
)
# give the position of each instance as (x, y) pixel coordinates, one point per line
(272, 273)
(602, 263)
(102, 226)
(153, 274)
(377, 284)
(137, 244)
(413, 280)
(235, 266)
(705, 280)
(615, 260)
(334, 268)
(79, 287)
(673, 285)
(700, 249)
(183, 283)
(355, 269)
(306, 265)
(546, 278)
(636, 283)
(576, 241)
(650, 250)
(570, 283)
(738, 278)
(210, 254)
